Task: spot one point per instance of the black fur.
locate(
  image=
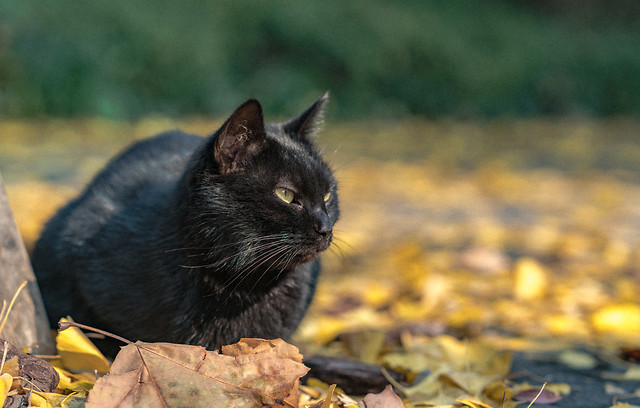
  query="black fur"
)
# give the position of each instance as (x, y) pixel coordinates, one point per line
(183, 239)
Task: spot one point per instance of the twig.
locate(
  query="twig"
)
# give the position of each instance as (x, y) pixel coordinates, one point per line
(15, 296)
(4, 355)
(537, 396)
(65, 325)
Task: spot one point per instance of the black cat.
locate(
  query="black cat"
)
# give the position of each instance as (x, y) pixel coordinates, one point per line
(199, 241)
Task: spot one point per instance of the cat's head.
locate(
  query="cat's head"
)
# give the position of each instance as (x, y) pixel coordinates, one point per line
(264, 198)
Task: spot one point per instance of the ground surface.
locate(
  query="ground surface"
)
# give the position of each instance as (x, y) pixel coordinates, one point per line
(529, 228)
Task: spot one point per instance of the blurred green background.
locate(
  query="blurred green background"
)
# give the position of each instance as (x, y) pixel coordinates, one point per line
(125, 59)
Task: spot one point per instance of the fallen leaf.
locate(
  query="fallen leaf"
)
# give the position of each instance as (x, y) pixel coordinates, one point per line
(473, 404)
(365, 344)
(632, 374)
(70, 382)
(329, 397)
(617, 319)
(544, 397)
(530, 279)
(6, 380)
(630, 354)
(611, 388)
(11, 367)
(385, 399)
(255, 373)
(49, 400)
(577, 359)
(77, 352)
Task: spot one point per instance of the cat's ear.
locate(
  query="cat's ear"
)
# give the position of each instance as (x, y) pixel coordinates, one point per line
(304, 125)
(241, 137)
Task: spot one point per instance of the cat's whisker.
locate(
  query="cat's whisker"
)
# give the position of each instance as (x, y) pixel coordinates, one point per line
(265, 256)
(245, 274)
(239, 256)
(284, 253)
(230, 244)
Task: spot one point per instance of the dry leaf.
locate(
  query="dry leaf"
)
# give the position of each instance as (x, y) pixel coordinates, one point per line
(256, 373)
(544, 397)
(632, 374)
(327, 400)
(385, 399)
(77, 352)
(577, 359)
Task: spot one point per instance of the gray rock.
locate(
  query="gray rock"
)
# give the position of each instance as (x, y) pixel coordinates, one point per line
(27, 324)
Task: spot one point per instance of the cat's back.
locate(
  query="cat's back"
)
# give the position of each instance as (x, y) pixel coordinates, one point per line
(91, 235)
(146, 165)
(146, 171)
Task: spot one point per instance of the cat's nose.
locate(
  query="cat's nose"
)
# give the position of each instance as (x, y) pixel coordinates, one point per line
(322, 223)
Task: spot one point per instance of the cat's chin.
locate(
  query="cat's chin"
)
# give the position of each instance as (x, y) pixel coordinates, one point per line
(313, 253)
(308, 257)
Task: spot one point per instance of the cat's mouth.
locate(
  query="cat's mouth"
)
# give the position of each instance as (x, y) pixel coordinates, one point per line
(312, 252)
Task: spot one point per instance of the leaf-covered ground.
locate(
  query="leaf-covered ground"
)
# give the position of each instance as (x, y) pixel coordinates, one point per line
(514, 234)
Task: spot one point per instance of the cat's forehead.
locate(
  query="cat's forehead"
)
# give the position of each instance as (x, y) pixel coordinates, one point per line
(277, 133)
(300, 160)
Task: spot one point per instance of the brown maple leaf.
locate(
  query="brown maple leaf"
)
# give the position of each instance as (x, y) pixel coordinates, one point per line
(251, 373)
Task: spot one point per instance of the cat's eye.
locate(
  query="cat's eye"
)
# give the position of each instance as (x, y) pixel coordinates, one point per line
(327, 197)
(285, 195)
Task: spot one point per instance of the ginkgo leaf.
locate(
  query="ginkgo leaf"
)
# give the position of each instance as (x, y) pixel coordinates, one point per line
(49, 400)
(6, 380)
(73, 383)
(257, 373)
(77, 352)
(472, 403)
(11, 366)
(329, 397)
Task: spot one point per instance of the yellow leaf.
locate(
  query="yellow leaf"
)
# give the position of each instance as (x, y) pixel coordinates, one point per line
(409, 310)
(473, 404)
(408, 362)
(39, 401)
(6, 380)
(618, 319)
(567, 325)
(77, 352)
(559, 388)
(329, 397)
(69, 382)
(11, 367)
(530, 279)
(365, 344)
(50, 400)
